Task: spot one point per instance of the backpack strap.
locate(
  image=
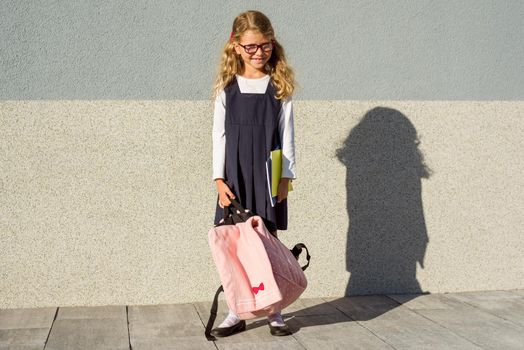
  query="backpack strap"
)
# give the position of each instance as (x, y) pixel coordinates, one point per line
(297, 249)
(235, 215)
(213, 315)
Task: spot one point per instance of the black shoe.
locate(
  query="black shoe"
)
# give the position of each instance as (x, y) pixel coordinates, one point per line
(279, 330)
(221, 332)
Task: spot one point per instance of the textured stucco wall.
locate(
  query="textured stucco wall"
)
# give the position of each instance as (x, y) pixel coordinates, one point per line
(109, 202)
(409, 124)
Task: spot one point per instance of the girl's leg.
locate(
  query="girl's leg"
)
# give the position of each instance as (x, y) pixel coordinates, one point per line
(231, 320)
(231, 325)
(276, 320)
(277, 326)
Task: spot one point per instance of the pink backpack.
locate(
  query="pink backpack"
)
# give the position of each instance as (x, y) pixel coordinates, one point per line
(259, 275)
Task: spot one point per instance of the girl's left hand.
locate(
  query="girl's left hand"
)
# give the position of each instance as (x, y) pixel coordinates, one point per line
(282, 189)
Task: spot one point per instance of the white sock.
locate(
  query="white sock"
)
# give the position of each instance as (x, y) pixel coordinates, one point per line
(276, 320)
(231, 319)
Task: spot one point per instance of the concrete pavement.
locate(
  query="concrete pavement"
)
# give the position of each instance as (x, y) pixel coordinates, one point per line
(473, 320)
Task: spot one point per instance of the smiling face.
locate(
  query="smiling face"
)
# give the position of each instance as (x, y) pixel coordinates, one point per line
(254, 63)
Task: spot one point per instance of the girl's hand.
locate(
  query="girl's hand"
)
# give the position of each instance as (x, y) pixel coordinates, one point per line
(224, 193)
(282, 189)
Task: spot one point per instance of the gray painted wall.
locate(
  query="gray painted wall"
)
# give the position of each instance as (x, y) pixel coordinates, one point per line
(406, 50)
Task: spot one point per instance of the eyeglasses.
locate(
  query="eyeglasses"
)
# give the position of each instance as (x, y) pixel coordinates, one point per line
(252, 48)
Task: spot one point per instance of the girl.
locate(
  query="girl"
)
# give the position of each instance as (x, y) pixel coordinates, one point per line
(253, 116)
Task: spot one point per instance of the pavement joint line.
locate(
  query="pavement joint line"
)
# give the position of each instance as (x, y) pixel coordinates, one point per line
(298, 342)
(384, 340)
(128, 331)
(376, 335)
(201, 321)
(450, 330)
(51, 328)
(342, 312)
(363, 326)
(443, 326)
(198, 314)
(490, 313)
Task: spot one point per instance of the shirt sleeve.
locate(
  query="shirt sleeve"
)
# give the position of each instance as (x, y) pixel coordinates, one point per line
(287, 136)
(219, 137)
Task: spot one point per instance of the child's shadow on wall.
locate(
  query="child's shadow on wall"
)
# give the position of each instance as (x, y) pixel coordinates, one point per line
(387, 235)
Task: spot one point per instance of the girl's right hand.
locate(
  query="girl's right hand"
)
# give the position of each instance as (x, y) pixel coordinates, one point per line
(224, 193)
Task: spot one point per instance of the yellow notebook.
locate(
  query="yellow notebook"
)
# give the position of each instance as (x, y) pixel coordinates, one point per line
(274, 173)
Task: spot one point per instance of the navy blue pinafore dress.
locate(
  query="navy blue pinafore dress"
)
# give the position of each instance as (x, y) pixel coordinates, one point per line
(251, 128)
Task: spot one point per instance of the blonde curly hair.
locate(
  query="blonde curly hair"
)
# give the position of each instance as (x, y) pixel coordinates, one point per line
(277, 67)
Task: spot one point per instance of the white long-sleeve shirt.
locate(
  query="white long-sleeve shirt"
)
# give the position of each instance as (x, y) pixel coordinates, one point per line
(285, 128)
